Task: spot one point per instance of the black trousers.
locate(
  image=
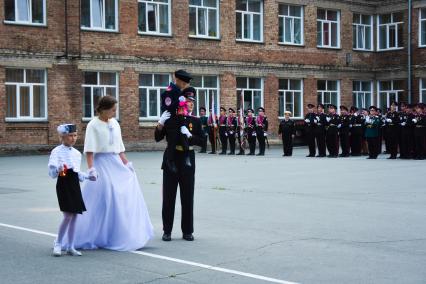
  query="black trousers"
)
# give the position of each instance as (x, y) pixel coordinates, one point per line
(344, 142)
(252, 142)
(310, 140)
(261, 139)
(231, 139)
(287, 144)
(320, 139)
(406, 142)
(332, 140)
(356, 140)
(223, 139)
(185, 178)
(212, 139)
(392, 139)
(204, 147)
(374, 146)
(420, 142)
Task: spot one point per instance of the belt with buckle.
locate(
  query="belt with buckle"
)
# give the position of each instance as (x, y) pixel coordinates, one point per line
(358, 125)
(419, 126)
(180, 148)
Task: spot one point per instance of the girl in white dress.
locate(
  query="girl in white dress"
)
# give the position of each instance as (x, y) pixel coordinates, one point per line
(116, 217)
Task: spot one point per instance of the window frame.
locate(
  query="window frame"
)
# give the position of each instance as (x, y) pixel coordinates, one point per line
(378, 25)
(246, 12)
(157, 19)
(18, 85)
(262, 86)
(362, 92)
(329, 91)
(388, 93)
(117, 86)
(364, 26)
(207, 89)
(284, 91)
(217, 8)
(421, 11)
(281, 18)
(103, 29)
(28, 23)
(422, 88)
(329, 22)
(158, 90)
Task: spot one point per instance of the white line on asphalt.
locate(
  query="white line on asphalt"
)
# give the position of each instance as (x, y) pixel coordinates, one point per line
(177, 260)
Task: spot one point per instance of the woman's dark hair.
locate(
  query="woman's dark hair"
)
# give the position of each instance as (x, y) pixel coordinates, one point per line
(105, 103)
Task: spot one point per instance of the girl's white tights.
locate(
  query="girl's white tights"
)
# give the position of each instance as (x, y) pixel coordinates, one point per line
(67, 223)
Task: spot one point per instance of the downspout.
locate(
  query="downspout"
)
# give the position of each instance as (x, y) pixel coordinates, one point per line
(409, 52)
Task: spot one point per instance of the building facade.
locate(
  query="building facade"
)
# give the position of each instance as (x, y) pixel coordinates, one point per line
(57, 58)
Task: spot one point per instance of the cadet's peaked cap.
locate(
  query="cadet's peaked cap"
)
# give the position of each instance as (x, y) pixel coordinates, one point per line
(394, 103)
(189, 93)
(354, 108)
(260, 109)
(231, 109)
(311, 106)
(250, 110)
(183, 75)
(202, 108)
(320, 105)
(332, 106)
(344, 107)
(372, 108)
(287, 112)
(222, 108)
(66, 129)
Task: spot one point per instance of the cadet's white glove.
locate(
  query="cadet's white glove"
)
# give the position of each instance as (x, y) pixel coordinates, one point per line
(185, 131)
(265, 134)
(414, 120)
(367, 119)
(356, 114)
(350, 125)
(338, 126)
(315, 120)
(93, 174)
(388, 120)
(318, 119)
(307, 120)
(129, 165)
(403, 123)
(328, 119)
(164, 116)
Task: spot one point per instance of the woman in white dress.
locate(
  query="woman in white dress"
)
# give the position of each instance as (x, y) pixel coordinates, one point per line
(116, 216)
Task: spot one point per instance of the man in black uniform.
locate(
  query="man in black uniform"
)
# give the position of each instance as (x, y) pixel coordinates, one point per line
(231, 128)
(261, 130)
(321, 122)
(357, 131)
(287, 131)
(310, 126)
(204, 127)
(332, 134)
(406, 132)
(223, 136)
(419, 121)
(250, 124)
(344, 128)
(392, 130)
(184, 176)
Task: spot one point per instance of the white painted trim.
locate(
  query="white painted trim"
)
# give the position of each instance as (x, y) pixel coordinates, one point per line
(420, 26)
(293, 90)
(302, 25)
(157, 18)
(206, 24)
(329, 22)
(102, 29)
(421, 89)
(387, 33)
(242, 39)
(364, 27)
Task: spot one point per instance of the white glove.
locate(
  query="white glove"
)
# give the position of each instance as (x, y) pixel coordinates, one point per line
(367, 119)
(315, 120)
(350, 125)
(182, 99)
(265, 134)
(338, 126)
(214, 125)
(307, 120)
(388, 120)
(356, 114)
(164, 116)
(185, 131)
(93, 174)
(414, 120)
(403, 123)
(328, 119)
(129, 165)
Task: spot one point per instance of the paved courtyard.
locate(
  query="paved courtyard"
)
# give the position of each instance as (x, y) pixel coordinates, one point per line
(257, 220)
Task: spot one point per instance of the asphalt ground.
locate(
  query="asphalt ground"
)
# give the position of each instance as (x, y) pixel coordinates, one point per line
(268, 219)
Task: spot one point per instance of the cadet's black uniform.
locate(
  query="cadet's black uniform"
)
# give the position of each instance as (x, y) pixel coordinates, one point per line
(332, 136)
(357, 133)
(320, 133)
(261, 128)
(345, 125)
(184, 177)
(205, 129)
(406, 135)
(287, 130)
(392, 133)
(310, 127)
(250, 124)
(231, 127)
(223, 135)
(420, 136)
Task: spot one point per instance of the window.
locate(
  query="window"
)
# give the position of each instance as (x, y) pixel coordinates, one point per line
(328, 92)
(150, 88)
(290, 24)
(422, 27)
(362, 29)
(154, 17)
(101, 15)
(249, 20)
(96, 85)
(204, 18)
(207, 90)
(25, 12)
(389, 91)
(422, 97)
(251, 91)
(390, 31)
(328, 28)
(290, 97)
(362, 94)
(26, 97)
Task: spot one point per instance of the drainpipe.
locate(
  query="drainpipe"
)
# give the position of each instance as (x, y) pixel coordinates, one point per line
(409, 51)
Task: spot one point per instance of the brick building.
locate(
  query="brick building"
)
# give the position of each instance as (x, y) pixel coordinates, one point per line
(58, 57)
